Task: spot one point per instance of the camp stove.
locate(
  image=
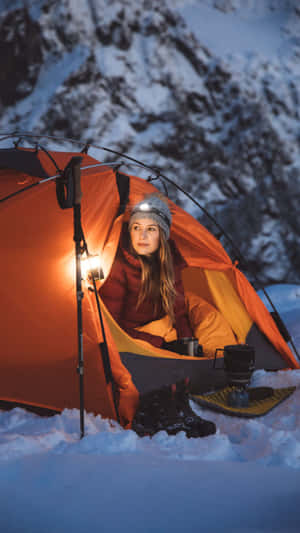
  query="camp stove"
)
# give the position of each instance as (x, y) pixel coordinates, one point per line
(239, 364)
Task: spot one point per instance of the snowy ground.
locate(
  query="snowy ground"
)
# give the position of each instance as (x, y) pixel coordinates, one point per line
(246, 478)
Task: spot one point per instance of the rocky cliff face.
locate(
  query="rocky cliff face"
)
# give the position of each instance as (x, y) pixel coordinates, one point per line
(133, 77)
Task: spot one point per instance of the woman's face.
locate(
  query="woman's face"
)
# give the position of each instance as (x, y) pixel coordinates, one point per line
(144, 234)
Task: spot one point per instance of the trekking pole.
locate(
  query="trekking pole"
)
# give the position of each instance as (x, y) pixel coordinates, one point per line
(68, 193)
(68, 190)
(78, 238)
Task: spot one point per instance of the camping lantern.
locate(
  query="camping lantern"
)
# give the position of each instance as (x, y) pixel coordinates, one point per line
(91, 267)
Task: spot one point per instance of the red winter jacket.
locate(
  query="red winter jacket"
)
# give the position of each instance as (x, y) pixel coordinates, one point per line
(120, 295)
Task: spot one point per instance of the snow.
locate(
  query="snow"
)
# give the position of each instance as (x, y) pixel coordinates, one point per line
(50, 79)
(158, 131)
(110, 61)
(235, 31)
(246, 478)
(34, 6)
(156, 94)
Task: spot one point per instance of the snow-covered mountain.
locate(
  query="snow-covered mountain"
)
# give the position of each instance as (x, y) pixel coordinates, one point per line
(205, 90)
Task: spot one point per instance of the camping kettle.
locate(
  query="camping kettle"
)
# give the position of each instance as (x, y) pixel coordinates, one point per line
(239, 364)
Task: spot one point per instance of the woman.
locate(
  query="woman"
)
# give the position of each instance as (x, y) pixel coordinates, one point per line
(144, 293)
(144, 290)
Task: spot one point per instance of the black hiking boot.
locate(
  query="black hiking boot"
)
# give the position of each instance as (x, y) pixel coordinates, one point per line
(168, 409)
(192, 424)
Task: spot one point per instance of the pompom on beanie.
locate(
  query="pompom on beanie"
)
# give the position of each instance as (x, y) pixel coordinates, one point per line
(157, 209)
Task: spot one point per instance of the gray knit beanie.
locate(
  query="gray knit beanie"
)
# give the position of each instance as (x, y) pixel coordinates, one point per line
(153, 207)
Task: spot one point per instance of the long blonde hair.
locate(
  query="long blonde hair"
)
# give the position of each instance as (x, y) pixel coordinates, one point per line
(158, 280)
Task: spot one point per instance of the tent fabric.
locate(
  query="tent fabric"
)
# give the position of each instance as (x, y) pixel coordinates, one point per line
(39, 335)
(26, 162)
(38, 316)
(236, 314)
(209, 325)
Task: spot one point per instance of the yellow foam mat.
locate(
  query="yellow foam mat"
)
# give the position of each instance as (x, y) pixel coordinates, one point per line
(217, 401)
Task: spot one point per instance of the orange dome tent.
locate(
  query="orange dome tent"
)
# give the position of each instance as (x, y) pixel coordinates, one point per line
(39, 340)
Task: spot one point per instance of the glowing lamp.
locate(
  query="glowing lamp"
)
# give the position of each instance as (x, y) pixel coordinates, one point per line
(91, 267)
